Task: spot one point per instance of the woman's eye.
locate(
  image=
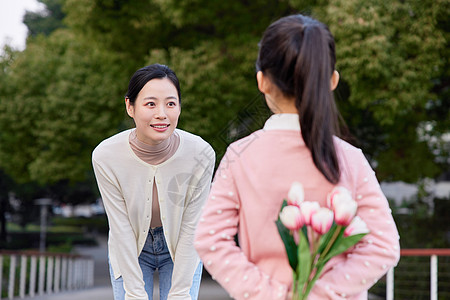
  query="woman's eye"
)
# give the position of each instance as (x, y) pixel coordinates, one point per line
(171, 104)
(150, 104)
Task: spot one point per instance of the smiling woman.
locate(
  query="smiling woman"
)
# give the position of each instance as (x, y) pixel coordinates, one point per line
(151, 219)
(155, 110)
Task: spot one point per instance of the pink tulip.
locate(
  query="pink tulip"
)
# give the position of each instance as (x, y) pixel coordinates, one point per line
(322, 220)
(291, 217)
(308, 208)
(339, 193)
(344, 211)
(357, 226)
(296, 194)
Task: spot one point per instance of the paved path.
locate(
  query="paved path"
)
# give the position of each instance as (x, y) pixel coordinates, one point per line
(209, 289)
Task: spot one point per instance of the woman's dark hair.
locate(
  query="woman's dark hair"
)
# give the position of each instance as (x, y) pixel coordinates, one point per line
(145, 74)
(297, 53)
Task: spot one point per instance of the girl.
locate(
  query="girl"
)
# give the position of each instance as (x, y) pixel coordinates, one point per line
(153, 180)
(295, 72)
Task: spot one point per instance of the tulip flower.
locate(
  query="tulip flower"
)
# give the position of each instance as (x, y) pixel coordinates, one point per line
(296, 194)
(301, 225)
(357, 226)
(322, 220)
(308, 208)
(291, 217)
(339, 193)
(344, 210)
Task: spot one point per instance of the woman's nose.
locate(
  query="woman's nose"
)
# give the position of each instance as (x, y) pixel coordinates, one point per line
(161, 113)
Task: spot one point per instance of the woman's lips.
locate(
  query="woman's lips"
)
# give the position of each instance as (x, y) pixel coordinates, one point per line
(160, 127)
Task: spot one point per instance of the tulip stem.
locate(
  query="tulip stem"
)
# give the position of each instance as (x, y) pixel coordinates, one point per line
(330, 244)
(294, 288)
(314, 248)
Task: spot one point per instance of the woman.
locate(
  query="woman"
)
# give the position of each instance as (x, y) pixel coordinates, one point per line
(296, 74)
(153, 180)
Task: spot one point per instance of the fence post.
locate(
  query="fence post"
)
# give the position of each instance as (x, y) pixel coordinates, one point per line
(49, 274)
(91, 272)
(33, 276)
(41, 275)
(70, 274)
(88, 273)
(23, 273)
(433, 277)
(57, 274)
(390, 284)
(12, 276)
(64, 274)
(77, 273)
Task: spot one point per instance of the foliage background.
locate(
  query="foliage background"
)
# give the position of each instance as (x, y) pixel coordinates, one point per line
(64, 93)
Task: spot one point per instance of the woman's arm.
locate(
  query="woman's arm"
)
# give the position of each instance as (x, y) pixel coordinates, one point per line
(122, 235)
(376, 253)
(186, 258)
(215, 243)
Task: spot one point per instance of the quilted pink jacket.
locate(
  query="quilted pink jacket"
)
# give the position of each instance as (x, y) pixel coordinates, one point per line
(249, 186)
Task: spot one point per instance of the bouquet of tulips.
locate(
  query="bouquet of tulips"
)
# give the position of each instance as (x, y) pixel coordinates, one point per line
(312, 235)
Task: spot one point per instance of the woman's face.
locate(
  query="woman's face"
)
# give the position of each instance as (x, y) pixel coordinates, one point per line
(155, 111)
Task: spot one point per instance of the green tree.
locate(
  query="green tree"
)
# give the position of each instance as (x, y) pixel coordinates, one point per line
(61, 99)
(204, 42)
(389, 56)
(393, 78)
(45, 21)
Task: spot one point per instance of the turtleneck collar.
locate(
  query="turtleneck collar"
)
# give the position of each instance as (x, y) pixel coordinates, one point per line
(154, 154)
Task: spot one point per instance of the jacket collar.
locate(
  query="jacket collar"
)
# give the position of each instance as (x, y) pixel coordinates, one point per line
(283, 122)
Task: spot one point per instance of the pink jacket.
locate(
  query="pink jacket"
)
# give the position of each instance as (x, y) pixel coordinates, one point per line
(249, 186)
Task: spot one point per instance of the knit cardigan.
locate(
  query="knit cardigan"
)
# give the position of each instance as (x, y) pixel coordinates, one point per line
(125, 183)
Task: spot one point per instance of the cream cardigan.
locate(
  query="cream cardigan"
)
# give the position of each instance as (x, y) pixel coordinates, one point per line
(125, 183)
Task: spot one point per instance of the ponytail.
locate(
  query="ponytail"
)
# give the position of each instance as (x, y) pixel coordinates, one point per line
(298, 53)
(314, 101)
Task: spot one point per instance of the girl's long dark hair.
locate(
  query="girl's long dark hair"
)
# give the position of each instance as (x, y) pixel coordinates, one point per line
(298, 54)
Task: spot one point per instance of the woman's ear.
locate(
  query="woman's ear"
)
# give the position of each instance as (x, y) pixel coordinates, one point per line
(129, 107)
(263, 82)
(334, 80)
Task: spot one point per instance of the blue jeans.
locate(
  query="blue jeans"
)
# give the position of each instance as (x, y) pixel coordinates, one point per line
(155, 256)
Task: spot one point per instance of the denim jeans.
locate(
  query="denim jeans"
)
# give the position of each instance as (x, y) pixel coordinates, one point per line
(155, 256)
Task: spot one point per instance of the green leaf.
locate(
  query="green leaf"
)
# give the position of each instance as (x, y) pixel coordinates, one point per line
(304, 256)
(342, 244)
(305, 233)
(319, 267)
(325, 239)
(289, 244)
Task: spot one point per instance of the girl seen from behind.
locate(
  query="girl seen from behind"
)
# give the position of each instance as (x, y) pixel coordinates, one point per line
(296, 73)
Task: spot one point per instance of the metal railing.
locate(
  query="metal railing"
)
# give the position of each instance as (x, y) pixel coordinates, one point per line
(420, 274)
(39, 273)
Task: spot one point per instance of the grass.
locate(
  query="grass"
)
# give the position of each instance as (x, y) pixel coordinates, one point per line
(11, 227)
(62, 233)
